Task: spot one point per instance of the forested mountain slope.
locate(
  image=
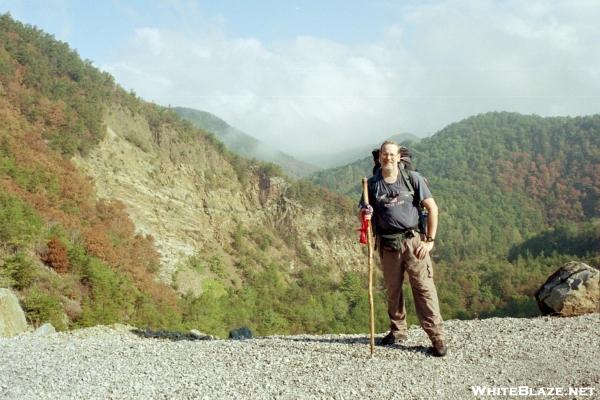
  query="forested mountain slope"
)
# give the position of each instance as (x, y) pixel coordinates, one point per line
(113, 209)
(116, 210)
(511, 174)
(74, 260)
(517, 194)
(243, 144)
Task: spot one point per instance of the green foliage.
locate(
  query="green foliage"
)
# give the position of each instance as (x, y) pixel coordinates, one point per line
(269, 170)
(33, 180)
(515, 195)
(207, 311)
(58, 88)
(261, 237)
(19, 223)
(496, 287)
(42, 307)
(111, 296)
(78, 258)
(240, 165)
(579, 240)
(500, 178)
(18, 271)
(217, 266)
(491, 174)
(345, 179)
(196, 264)
(269, 304)
(311, 196)
(518, 305)
(156, 315)
(518, 196)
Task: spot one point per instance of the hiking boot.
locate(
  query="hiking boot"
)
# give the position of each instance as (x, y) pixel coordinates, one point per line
(439, 348)
(391, 338)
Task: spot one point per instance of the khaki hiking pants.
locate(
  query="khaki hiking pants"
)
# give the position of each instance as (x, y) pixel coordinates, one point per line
(420, 275)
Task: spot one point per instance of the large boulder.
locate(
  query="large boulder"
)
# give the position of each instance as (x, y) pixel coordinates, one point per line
(12, 317)
(574, 289)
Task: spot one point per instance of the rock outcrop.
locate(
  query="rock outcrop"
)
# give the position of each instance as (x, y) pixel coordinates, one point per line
(46, 329)
(573, 289)
(188, 197)
(12, 317)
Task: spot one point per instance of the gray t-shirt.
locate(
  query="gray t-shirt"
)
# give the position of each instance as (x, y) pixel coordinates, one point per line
(394, 207)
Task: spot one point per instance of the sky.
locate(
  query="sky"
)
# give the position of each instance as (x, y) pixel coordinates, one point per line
(311, 77)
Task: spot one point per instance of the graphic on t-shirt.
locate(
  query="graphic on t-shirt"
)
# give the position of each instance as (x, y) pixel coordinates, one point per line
(391, 199)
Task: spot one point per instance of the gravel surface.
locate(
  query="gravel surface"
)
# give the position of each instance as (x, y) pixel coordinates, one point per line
(116, 363)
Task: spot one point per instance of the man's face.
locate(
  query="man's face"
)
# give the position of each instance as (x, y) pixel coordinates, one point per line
(389, 156)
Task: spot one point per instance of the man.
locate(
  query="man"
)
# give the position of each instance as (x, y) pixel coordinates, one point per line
(395, 216)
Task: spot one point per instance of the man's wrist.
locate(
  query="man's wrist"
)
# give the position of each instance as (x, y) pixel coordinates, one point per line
(429, 239)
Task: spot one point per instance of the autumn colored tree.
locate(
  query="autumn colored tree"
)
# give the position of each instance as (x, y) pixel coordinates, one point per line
(56, 256)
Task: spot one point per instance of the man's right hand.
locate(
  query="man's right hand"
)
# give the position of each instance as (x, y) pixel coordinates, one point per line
(366, 212)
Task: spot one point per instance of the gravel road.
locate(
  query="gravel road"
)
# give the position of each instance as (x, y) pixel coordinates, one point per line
(116, 363)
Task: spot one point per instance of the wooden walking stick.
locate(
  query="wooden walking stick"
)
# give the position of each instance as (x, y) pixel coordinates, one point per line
(370, 252)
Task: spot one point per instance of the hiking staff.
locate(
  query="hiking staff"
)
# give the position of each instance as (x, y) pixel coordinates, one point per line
(370, 252)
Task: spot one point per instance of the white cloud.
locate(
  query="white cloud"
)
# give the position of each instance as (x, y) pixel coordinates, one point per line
(151, 39)
(441, 61)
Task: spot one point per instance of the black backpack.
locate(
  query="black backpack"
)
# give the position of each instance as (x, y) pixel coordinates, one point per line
(405, 166)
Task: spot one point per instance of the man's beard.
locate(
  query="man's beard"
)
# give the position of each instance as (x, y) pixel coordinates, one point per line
(388, 168)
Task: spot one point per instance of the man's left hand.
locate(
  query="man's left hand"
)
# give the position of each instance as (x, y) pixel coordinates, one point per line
(423, 249)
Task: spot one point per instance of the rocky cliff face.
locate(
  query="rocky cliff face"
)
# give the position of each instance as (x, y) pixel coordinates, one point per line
(183, 191)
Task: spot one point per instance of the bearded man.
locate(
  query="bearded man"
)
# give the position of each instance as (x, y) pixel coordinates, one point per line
(396, 196)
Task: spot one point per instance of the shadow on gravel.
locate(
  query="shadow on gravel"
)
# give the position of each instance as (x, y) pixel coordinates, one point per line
(173, 336)
(326, 340)
(414, 349)
(178, 336)
(361, 341)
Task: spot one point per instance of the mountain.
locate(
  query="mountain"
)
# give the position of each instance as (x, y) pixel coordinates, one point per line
(516, 194)
(527, 171)
(113, 209)
(243, 144)
(332, 160)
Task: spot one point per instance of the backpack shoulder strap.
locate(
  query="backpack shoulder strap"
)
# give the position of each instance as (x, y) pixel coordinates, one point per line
(372, 187)
(408, 179)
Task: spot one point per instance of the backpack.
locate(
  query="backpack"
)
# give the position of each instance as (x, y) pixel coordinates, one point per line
(405, 166)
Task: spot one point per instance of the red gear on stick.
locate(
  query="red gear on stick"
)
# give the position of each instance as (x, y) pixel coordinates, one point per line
(363, 230)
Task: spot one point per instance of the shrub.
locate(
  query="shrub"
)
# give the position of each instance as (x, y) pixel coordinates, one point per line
(18, 271)
(208, 311)
(19, 223)
(43, 307)
(111, 296)
(261, 237)
(217, 266)
(56, 256)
